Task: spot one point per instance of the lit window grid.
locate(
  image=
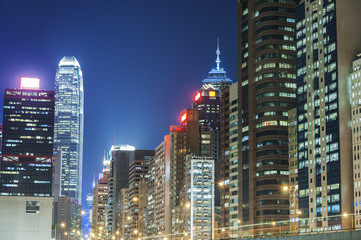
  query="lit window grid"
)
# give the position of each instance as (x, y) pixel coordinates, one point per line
(69, 126)
(314, 113)
(356, 139)
(200, 191)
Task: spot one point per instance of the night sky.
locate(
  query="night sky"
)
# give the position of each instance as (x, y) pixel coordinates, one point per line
(142, 60)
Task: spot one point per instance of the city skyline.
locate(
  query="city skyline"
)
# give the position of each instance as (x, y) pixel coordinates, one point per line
(120, 131)
(36, 51)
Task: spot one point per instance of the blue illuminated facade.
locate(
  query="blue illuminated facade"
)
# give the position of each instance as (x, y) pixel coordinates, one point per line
(68, 131)
(217, 77)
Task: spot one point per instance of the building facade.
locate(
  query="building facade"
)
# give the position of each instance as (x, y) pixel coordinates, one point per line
(229, 160)
(120, 157)
(327, 43)
(292, 188)
(100, 205)
(162, 201)
(124, 216)
(356, 137)
(266, 91)
(62, 214)
(26, 166)
(69, 126)
(26, 162)
(199, 208)
(138, 171)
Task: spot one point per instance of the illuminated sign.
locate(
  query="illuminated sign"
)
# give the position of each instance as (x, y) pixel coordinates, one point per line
(198, 96)
(184, 118)
(30, 83)
(212, 93)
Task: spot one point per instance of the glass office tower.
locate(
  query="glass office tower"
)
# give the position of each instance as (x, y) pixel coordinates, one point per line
(69, 108)
(26, 165)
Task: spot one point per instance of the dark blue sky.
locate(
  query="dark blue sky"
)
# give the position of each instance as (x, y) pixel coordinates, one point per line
(142, 60)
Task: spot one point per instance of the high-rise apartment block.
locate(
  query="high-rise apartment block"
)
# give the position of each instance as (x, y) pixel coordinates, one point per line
(138, 170)
(100, 205)
(26, 162)
(162, 187)
(229, 158)
(124, 217)
(62, 215)
(69, 125)
(120, 157)
(199, 207)
(356, 137)
(328, 39)
(293, 171)
(266, 91)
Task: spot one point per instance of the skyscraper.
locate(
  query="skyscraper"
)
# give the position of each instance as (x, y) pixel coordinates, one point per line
(217, 77)
(138, 170)
(266, 91)
(293, 170)
(328, 39)
(26, 164)
(100, 204)
(123, 218)
(120, 157)
(356, 136)
(199, 186)
(69, 124)
(162, 183)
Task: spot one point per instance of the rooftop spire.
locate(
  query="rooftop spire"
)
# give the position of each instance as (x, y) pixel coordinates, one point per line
(218, 61)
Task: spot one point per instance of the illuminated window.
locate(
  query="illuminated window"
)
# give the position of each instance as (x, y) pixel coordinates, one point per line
(32, 206)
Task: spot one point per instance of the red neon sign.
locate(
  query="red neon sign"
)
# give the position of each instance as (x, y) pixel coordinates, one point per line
(198, 96)
(184, 118)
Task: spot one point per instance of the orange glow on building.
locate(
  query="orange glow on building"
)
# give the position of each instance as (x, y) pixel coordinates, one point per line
(212, 93)
(184, 118)
(198, 96)
(30, 83)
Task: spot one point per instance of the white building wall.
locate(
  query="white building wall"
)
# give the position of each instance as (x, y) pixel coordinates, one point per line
(16, 224)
